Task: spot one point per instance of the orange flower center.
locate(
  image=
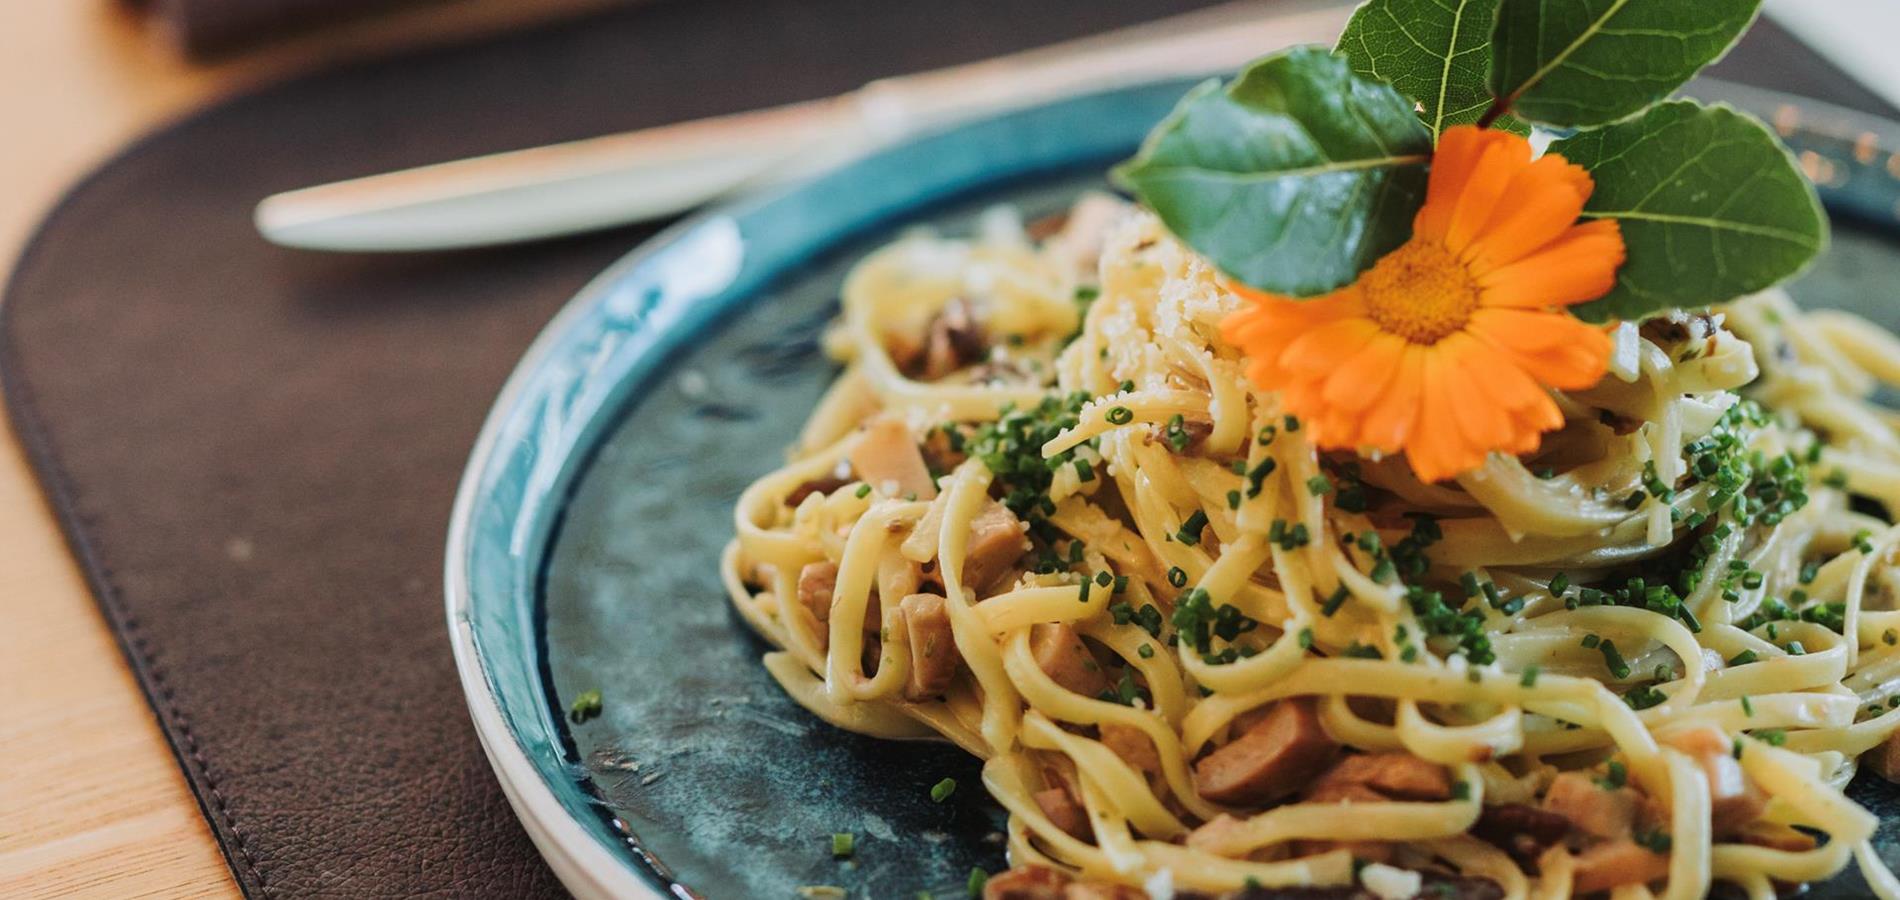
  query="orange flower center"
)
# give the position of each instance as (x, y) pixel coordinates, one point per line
(1420, 292)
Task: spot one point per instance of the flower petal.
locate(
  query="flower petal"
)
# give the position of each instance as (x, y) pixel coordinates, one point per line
(1494, 172)
(1541, 203)
(1556, 349)
(1388, 424)
(1581, 265)
(1453, 162)
(1359, 380)
(1320, 350)
(1480, 418)
(1436, 449)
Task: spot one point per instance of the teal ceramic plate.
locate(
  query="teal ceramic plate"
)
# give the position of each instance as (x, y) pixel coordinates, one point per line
(582, 552)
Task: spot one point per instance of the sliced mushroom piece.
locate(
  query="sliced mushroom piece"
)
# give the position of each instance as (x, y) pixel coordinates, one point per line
(816, 583)
(933, 648)
(1133, 745)
(1059, 804)
(1061, 655)
(1026, 883)
(887, 459)
(1617, 863)
(1592, 808)
(954, 339)
(805, 489)
(1271, 759)
(1395, 776)
(1521, 830)
(996, 543)
(1733, 800)
(1103, 890)
(1885, 759)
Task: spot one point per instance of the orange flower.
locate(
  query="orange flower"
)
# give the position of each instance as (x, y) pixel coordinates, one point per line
(1446, 347)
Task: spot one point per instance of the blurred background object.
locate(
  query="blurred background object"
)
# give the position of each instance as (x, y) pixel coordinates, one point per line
(1856, 35)
(207, 29)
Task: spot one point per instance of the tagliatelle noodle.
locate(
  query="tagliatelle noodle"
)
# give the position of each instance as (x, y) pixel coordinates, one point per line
(1330, 624)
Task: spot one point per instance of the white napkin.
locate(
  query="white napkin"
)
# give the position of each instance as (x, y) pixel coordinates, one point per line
(1857, 35)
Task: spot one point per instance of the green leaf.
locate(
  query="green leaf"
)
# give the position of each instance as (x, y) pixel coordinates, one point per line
(1711, 207)
(1588, 62)
(1294, 178)
(1437, 52)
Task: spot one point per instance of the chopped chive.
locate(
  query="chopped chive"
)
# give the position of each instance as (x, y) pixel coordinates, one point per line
(1773, 737)
(1233, 499)
(942, 790)
(1615, 775)
(1743, 658)
(1559, 584)
(1145, 651)
(977, 879)
(1083, 594)
(1318, 485)
(1084, 470)
(864, 490)
(1384, 571)
(1306, 638)
(1335, 601)
(1460, 790)
(1292, 424)
(1530, 677)
(1748, 707)
(843, 844)
(1120, 415)
(1257, 476)
(1190, 532)
(586, 706)
(1591, 641)
(1614, 659)
(1177, 576)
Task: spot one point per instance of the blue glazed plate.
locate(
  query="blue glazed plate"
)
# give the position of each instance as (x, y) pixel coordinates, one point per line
(583, 547)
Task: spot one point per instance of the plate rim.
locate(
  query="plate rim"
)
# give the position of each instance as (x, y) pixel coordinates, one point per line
(586, 865)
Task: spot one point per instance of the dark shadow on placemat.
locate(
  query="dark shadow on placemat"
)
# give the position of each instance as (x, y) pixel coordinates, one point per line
(253, 451)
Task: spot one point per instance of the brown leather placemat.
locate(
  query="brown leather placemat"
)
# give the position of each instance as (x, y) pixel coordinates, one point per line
(253, 450)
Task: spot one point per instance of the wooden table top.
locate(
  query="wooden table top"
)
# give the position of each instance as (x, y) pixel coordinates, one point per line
(92, 803)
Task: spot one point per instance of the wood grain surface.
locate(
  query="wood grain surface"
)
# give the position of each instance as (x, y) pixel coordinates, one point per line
(92, 803)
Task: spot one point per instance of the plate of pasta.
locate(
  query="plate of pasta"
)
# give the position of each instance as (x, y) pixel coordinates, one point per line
(1449, 512)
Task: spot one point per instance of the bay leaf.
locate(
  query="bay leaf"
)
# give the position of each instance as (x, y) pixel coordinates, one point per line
(1437, 52)
(1711, 207)
(1293, 178)
(1589, 62)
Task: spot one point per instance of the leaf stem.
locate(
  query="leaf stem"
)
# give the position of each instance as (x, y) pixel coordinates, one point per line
(1499, 107)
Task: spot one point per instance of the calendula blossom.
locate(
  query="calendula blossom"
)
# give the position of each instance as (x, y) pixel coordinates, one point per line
(1447, 348)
